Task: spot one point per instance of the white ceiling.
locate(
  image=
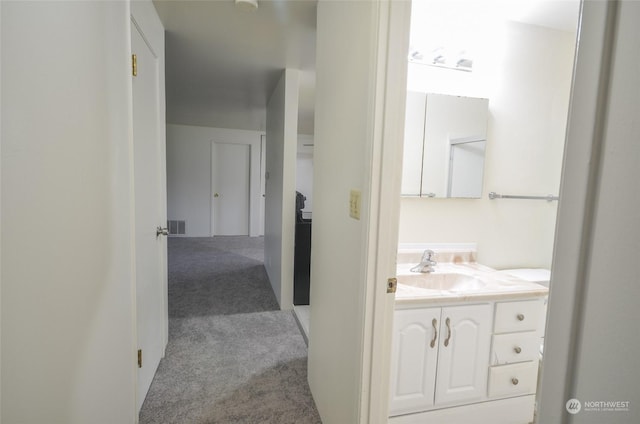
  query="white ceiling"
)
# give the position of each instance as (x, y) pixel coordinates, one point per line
(222, 62)
(556, 14)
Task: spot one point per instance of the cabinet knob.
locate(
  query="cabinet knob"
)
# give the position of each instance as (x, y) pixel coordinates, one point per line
(517, 349)
(514, 381)
(520, 317)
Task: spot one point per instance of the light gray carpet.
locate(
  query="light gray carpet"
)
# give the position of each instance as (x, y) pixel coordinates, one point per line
(232, 356)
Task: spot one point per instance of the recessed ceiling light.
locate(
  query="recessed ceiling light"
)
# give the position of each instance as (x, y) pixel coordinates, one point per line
(247, 4)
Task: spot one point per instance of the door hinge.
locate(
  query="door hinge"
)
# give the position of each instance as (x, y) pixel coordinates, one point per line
(134, 65)
(139, 358)
(392, 285)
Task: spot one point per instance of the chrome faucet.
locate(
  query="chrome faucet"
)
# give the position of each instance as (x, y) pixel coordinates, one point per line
(426, 263)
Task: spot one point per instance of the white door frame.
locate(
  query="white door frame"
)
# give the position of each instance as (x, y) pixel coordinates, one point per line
(393, 20)
(578, 197)
(588, 105)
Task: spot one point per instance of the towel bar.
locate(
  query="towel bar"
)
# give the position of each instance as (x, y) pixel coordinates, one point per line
(549, 197)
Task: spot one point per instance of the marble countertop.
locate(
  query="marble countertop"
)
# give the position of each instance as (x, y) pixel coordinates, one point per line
(460, 283)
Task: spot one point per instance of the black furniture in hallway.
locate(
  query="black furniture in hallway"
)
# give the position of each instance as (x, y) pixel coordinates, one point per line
(302, 255)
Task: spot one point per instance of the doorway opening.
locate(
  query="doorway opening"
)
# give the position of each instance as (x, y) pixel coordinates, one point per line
(521, 62)
(303, 229)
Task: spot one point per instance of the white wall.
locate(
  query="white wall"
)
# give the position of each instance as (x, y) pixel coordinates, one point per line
(612, 274)
(0, 214)
(189, 179)
(189, 159)
(68, 341)
(345, 99)
(282, 125)
(591, 350)
(528, 101)
(304, 170)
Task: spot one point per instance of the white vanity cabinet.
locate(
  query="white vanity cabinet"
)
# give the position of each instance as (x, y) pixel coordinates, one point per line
(440, 357)
(465, 362)
(515, 348)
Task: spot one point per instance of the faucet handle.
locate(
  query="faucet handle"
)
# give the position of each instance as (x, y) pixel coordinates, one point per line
(428, 255)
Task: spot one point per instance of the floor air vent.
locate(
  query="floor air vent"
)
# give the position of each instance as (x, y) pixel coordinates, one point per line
(176, 227)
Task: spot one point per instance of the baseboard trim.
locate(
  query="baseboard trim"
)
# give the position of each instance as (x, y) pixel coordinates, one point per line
(301, 327)
(518, 410)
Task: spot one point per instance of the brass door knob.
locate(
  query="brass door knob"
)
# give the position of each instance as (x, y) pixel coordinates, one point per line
(520, 317)
(517, 349)
(514, 381)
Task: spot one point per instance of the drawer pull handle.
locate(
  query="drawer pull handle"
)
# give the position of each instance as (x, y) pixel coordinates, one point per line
(435, 332)
(446, 341)
(520, 317)
(514, 381)
(517, 349)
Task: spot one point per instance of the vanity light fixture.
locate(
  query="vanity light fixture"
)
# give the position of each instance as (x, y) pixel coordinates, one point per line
(249, 5)
(443, 58)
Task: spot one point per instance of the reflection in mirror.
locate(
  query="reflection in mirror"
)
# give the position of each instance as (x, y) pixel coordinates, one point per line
(444, 146)
(466, 166)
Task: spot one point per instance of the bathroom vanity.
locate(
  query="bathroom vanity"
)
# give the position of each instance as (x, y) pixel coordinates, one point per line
(466, 345)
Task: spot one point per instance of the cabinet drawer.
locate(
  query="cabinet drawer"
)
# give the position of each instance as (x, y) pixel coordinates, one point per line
(517, 316)
(515, 379)
(515, 347)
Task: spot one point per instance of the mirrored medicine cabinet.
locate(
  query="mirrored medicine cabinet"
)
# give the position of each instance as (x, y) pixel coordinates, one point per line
(444, 145)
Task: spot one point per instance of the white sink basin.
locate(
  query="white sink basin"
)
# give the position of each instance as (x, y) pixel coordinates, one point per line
(448, 281)
(458, 281)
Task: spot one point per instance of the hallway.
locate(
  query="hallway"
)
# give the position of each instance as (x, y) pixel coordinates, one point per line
(233, 356)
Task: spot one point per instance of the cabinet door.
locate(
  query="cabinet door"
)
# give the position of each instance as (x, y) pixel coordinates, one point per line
(413, 140)
(463, 358)
(414, 359)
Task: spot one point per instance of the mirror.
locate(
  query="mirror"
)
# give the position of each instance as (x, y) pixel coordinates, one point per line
(444, 145)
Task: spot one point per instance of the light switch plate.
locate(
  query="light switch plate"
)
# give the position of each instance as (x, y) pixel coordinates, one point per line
(354, 204)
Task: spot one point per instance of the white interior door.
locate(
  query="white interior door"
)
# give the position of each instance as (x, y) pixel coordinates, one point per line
(263, 181)
(231, 164)
(150, 211)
